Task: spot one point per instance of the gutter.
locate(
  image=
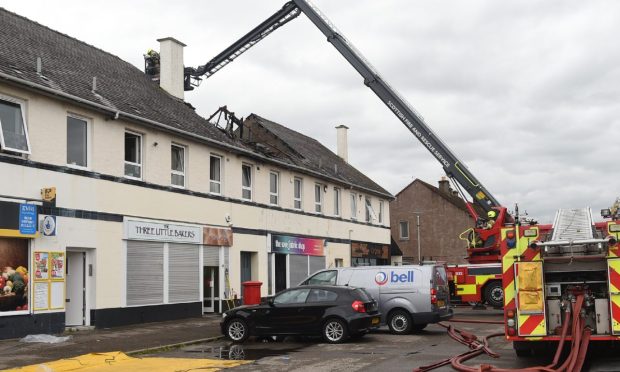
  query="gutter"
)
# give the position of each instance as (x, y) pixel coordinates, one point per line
(116, 114)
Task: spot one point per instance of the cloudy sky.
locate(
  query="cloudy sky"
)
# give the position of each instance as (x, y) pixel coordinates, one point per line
(526, 93)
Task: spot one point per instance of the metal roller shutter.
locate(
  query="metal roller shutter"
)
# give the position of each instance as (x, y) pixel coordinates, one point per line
(145, 273)
(211, 256)
(184, 274)
(316, 263)
(298, 268)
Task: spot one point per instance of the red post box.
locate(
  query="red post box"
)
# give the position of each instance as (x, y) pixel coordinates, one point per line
(251, 293)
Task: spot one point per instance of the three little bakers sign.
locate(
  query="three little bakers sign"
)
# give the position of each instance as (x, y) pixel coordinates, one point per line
(143, 230)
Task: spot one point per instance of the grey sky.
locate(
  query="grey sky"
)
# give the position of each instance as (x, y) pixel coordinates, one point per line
(526, 93)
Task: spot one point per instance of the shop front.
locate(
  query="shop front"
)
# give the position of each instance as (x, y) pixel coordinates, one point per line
(30, 299)
(369, 254)
(292, 259)
(216, 283)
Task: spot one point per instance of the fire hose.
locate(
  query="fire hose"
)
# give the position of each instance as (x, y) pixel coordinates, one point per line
(480, 345)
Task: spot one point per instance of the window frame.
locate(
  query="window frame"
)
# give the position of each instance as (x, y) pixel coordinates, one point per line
(337, 201)
(88, 124)
(400, 230)
(22, 108)
(301, 193)
(381, 211)
(176, 172)
(141, 157)
(275, 195)
(248, 188)
(318, 204)
(212, 181)
(353, 206)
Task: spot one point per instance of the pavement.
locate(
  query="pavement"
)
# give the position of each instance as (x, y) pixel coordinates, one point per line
(134, 339)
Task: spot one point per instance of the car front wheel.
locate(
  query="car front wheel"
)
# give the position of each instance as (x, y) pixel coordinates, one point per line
(335, 331)
(237, 330)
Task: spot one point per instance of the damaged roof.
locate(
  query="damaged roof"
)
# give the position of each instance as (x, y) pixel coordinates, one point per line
(309, 153)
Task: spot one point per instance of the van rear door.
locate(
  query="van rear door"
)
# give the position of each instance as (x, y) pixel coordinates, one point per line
(439, 282)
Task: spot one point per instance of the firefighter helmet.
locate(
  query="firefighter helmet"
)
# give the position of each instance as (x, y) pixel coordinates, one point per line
(491, 214)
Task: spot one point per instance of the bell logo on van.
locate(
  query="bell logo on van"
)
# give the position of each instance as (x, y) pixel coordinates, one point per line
(382, 278)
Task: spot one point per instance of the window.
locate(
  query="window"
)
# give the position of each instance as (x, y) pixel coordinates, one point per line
(294, 296)
(13, 131)
(274, 185)
(77, 142)
(318, 198)
(246, 182)
(336, 201)
(178, 165)
(297, 193)
(215, 174)
(370, 212)
(133, 155)
(321, 295)
(15, 269)
(404, 230)
(323, 278)
(353, 206)
(339, 262)
(380, 211)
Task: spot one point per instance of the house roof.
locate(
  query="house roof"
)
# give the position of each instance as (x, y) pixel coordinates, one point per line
(69, 65)
(310, 153)
(452, 199)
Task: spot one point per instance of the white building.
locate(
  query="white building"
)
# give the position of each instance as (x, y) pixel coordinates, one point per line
(158, 214)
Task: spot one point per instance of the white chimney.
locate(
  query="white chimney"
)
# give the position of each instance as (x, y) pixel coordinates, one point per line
(342, 145)
(171, 66)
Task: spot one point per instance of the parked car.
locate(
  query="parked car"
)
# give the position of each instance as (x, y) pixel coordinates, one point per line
(335, 313)
(410, 297)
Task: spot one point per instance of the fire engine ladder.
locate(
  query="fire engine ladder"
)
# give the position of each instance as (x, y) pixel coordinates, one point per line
(572, 225)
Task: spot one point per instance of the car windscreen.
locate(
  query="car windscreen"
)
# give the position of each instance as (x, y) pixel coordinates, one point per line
(323, 278)
(362, 295)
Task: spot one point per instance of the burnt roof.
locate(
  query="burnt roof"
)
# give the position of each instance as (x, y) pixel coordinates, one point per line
(307, 152)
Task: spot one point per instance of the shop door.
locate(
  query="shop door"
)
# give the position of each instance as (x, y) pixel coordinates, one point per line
(280, 272)
(75, 314)
(211, 287)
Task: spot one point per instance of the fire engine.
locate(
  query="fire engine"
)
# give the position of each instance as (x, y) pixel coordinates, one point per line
(554, 278)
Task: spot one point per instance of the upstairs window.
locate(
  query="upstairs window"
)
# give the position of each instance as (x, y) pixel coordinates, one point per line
(274, 187)
(297, 193)
(215, 174)
(246, 182)
(380, 211)
(370, 212)
(178, 165)
(404, 230)
(77, 142)
(318, 198)
(336, 201)
(133, 155)
(353, 206)
(13, 131)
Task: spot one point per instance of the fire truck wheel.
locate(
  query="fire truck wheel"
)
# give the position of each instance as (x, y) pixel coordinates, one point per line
(494, 294)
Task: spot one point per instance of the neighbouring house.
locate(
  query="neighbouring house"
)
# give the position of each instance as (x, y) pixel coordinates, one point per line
(119, 204)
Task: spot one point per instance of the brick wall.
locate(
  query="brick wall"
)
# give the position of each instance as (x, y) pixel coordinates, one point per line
(441, 223)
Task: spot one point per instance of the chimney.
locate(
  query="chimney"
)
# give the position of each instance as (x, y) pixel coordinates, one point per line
(444, 186)
(171, 62)
(342, 145)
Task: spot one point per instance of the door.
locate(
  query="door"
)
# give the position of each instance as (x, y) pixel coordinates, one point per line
(286, 315)
(246, 266)
(211, 289)
(75, 306)
(280, 272)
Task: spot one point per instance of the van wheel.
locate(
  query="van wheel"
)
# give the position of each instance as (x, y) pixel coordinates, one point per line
(494, 294)
(399, 322)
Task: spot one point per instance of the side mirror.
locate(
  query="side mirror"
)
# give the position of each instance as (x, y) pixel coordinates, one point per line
(270, 301)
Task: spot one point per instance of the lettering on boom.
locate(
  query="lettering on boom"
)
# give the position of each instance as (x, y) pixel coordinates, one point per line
(418, 134)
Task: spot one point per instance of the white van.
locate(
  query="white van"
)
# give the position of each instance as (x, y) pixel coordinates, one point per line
(409, 297)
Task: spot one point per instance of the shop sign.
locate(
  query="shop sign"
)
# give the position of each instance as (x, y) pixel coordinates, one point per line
(167, 232)
(217, 236)
(297, 245)
(27, 219)
(370, 250)
(48, 225)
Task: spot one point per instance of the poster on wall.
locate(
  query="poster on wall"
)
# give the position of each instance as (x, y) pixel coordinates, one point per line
(41, 266)
(297, 245)
(57, 260)
(41, 295)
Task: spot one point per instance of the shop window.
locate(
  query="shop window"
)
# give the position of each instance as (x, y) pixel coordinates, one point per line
(353, 206)
(336, 201)
(13, 129)
(274, 186)
(403, 227)
(215, 174)
(297, 193)
(246, 182)
(133, 155)
(77, 142)
(14, 281)
(318, 198)
(178, 166)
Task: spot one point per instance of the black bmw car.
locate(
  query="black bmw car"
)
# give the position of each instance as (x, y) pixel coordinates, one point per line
(335, 313)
